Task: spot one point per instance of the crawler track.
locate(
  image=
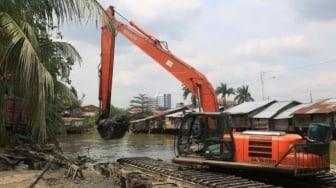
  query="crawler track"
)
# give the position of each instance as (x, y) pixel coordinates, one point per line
(286, 180)
(325, 180)
(182, 176)
(151, 172)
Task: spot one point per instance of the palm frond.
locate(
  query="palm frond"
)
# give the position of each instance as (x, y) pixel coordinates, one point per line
(64, 93)
(23, 46)
(67, 50)
(36, 80)
(21, 54)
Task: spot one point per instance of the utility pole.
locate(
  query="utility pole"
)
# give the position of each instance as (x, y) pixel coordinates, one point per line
(262, 84)
(262, 77)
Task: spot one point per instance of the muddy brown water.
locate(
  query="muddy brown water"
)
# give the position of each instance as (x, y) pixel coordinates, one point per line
(156, 146)
(90, 144)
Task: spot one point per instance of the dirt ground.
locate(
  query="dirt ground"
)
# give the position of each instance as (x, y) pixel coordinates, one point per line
(55, 179)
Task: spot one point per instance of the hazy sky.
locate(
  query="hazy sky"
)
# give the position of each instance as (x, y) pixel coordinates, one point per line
(291, 43)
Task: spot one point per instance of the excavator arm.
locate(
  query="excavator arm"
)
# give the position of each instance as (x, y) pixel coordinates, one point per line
(197, 83)
(115, 127)
(106, 68)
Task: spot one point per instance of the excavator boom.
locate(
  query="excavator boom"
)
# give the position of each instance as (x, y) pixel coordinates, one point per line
(188, 75)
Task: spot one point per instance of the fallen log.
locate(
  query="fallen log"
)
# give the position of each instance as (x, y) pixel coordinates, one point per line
(30, 154)
(74, 170)
(46, 167)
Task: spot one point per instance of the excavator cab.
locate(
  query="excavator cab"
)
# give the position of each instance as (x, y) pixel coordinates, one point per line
(208, 135)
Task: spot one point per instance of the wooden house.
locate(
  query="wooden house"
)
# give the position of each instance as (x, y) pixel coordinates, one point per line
(284, 120)
(323, 111)
(264, 119)
(242, 114)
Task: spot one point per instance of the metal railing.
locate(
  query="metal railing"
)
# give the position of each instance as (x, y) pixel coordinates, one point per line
(306, 159)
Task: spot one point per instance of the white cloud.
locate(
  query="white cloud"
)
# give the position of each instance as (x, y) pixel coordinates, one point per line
(228, 41)
(156, 11)
(277, 49)
(312, 10)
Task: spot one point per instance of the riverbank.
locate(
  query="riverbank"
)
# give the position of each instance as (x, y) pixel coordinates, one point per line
(91, 145)
(55, 178)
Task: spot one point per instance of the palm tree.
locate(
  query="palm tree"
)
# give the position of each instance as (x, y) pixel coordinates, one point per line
(21, 53)
(224, 91)
(58, 58)
(243, 95)
(186, 93)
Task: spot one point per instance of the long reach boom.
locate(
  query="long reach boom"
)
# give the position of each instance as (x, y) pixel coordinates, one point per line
(197, 83)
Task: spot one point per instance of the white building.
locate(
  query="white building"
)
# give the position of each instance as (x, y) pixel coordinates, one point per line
(160, 101)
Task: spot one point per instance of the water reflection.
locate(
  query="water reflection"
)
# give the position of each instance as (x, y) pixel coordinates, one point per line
(132, 145)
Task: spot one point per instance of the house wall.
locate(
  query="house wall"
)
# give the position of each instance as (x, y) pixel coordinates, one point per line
(170, 123)
(321, 118)
(260, 124)
(282, 125)
(76, 112)
(139, 127)
(302, 121)
(157, 124)
(240, 121)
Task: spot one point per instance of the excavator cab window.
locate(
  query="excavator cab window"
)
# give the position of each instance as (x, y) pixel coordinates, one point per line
(190, 136)
(219, 143)
(196, 129)
(207, 135)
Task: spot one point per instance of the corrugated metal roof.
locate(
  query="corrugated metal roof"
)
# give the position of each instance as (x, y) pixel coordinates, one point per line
(181, 114)
(247, 107)
(289, 112)
(324, 106)
(271, 110)
(160, 114)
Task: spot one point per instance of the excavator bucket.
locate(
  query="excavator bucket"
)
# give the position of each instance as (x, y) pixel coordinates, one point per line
(113, 127)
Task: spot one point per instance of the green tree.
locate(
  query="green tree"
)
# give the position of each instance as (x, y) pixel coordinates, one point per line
(115, 111)
(224, 91)
(243, 95)
(141, 102)
(58, 58)
(186, 93)
(22, 58)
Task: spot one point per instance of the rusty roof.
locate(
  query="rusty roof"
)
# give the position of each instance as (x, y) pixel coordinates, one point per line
(324, 106)
(160, 114)
(289, 112)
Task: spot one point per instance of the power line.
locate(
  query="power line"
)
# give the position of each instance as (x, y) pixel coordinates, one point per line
(302, 66)
(315, 64)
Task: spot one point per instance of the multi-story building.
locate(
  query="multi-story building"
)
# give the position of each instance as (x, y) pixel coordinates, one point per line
(160, 101)
(167, 101)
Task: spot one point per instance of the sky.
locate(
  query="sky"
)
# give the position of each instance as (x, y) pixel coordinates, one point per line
(283, 50)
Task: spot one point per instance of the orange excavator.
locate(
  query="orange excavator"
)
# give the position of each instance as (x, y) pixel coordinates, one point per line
(207, 137)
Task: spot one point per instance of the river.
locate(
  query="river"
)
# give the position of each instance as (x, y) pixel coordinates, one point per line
(156, 146)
